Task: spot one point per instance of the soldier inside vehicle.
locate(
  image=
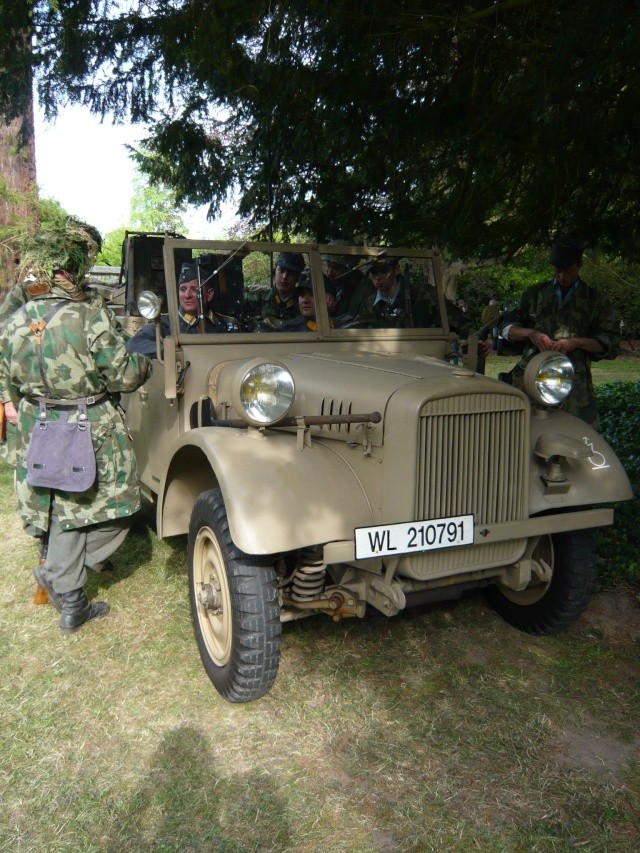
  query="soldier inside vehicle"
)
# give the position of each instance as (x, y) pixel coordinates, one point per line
(194, 316)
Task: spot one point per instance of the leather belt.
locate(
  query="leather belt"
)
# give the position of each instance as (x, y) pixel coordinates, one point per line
(52, 403)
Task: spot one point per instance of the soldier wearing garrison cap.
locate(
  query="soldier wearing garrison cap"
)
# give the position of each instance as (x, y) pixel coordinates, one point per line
(346, 276)
(306, 319)
(195, 289)
(566, 315)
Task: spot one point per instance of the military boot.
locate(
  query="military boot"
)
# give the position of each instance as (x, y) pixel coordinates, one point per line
(54, 597)
(76, 610)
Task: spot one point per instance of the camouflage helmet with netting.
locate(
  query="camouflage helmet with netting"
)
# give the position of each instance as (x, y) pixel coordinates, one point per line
(71, 247)
(347, 261)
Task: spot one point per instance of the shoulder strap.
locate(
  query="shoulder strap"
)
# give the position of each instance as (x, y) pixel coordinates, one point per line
(38, 328)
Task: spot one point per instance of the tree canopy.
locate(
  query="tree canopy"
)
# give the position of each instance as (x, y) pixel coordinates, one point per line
(154, 208)
(477, 126)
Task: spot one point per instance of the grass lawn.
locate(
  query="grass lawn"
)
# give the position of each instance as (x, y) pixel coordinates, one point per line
(442, 729)
(622, 369)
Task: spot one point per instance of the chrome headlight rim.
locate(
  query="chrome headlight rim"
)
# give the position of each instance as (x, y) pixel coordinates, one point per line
(149, 305)
(263, 392)
(548, 378)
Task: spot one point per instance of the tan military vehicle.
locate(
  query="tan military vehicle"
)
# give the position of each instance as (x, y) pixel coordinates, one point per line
(341, 459)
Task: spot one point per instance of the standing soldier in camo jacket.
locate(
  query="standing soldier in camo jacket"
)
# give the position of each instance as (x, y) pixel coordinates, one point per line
(565, 315)
(62, 349)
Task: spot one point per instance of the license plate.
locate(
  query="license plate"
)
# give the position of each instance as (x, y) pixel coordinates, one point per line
(413, 536)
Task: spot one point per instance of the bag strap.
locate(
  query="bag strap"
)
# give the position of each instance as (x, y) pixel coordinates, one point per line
(83, 420)
(38, 328)
(42, 417)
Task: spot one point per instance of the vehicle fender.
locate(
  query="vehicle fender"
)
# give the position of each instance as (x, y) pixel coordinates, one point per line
(593, 478)
(277, 497)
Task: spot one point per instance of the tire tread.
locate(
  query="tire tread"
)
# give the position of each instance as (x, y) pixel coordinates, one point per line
(255, 654)
(569, 593)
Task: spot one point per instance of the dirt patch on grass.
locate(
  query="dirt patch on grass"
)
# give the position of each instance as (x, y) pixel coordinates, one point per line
(583, 748)
(615, 614)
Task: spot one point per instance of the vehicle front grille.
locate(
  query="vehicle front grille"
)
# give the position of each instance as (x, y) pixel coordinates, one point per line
(473, 458)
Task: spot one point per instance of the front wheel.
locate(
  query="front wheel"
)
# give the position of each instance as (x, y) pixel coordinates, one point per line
(562, 583)
(234, 606)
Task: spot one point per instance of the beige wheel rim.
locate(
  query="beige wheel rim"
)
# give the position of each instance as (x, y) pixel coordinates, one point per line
(213, 598)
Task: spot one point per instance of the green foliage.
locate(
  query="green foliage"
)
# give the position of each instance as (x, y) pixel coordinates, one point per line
(619, 407)
(52, 213)
(64, 244)
(619, 546)
(476, 127)
(111, 253)
(154, 208)
(619, 278)
(502, 281)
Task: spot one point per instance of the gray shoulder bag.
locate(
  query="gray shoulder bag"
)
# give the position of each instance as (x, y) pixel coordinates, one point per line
(60, 455)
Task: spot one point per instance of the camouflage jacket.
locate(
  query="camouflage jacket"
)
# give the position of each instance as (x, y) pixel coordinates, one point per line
(353, 289)
(18, 296)
(264, 301)
(81, 354)
(585, 313)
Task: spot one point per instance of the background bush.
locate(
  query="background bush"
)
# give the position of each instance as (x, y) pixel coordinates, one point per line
(619, 546)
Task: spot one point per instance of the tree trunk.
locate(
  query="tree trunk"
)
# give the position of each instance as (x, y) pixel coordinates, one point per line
(18, 187)
(18, 191)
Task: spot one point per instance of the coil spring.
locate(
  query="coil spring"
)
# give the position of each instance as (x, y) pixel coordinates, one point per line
(308, 578)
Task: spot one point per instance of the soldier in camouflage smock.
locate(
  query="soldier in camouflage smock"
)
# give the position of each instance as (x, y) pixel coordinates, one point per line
(79, 355)
(565, 315)
(278, 301)
(27, 288)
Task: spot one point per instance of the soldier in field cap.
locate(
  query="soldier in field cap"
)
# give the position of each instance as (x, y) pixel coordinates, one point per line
(565, 314)
(283, 300)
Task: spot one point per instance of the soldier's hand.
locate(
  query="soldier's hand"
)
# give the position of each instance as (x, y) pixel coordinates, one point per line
(565, 345)
(10, 413)
(543, 342)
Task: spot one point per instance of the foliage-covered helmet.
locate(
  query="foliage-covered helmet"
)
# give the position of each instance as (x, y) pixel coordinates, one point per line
(70, 247)
(346, 261)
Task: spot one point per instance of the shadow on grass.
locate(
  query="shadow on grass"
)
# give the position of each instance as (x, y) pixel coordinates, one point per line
(176, 562)
(188, 802)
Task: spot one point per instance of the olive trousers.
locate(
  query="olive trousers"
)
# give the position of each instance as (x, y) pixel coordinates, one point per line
(71, 552)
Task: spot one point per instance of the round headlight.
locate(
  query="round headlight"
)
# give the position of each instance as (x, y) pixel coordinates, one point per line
(149, 305)
(548, 378)
(264, 393)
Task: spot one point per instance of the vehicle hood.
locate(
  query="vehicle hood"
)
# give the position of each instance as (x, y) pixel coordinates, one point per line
(361, 383)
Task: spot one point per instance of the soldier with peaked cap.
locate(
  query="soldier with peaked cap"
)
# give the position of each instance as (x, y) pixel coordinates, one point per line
(64, 355)
(565, 315)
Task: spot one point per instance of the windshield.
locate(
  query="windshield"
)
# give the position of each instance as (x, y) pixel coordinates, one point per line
(298, 289)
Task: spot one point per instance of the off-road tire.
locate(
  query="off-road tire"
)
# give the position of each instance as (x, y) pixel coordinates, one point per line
(238, 631)
(546, 608)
